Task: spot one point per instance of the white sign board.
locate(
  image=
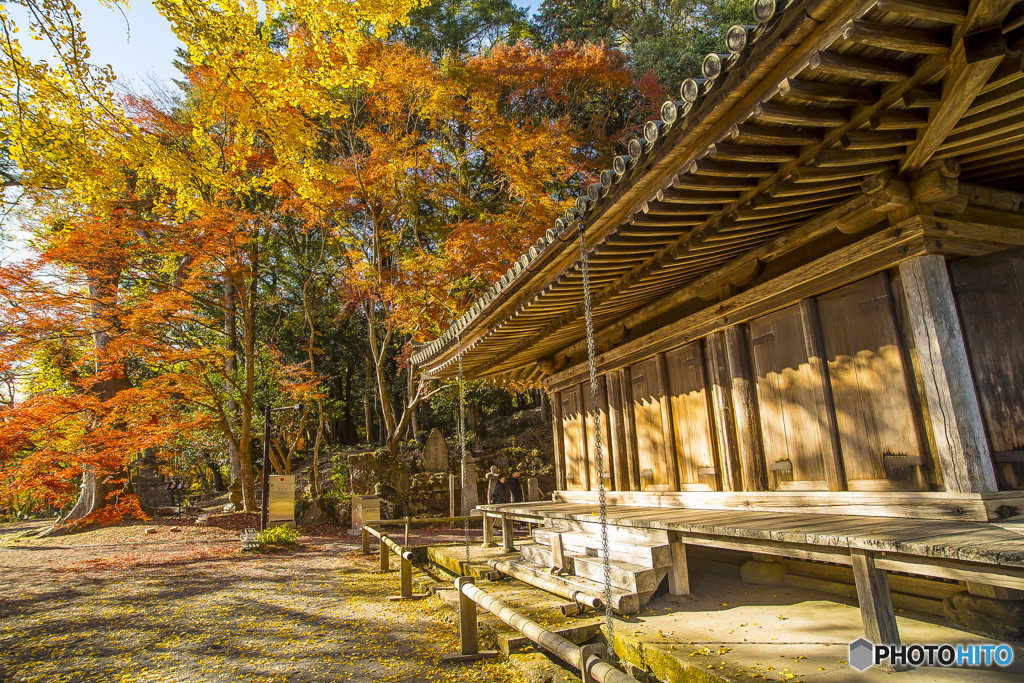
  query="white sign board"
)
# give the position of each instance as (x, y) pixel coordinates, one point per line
(282, 500)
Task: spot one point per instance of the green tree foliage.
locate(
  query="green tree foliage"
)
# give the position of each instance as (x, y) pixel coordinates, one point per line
(667, 38)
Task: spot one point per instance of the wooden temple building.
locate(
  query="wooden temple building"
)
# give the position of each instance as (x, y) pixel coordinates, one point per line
(808, 305)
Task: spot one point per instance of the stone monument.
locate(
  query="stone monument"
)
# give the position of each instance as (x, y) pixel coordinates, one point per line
(470, 499)
(435, 453)
(148, 484)
(235, 499)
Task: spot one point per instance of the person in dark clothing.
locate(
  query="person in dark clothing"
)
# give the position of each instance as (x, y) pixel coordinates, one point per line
(515, 488)
(499, 496)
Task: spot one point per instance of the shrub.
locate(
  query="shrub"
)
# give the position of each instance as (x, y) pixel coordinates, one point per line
(281, 535)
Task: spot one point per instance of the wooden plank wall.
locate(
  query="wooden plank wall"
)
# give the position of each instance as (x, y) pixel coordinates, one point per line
(989, 293)
(823, 395)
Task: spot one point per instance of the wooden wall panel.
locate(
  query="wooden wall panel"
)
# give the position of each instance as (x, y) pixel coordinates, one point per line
(874, 414)
(574, 431)
(656, 470)
(606, 433)
(790, 410)
(989, 293)
(694, 440)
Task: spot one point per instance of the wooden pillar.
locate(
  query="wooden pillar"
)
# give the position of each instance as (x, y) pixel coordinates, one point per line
(488, 532)
(629, 427)
(720, 402)
(607, 435)
(876, 610)
(667, 426)
(366, 541)
(557, 428)
(960, 440)
(744, 409)
(507, 532)
(585, 425)
(831, 455)
(618, 432)
(678, 573)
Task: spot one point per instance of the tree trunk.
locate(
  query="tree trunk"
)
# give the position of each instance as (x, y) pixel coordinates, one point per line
(249, 348)
(230, 368)
(368, 398)
(414, 419)
(95, 485)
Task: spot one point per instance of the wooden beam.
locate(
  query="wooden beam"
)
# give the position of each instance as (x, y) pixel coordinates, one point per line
(860, 68)
(559, 436)
(722, 413)
(800, 116)
(828, 93)
(629, 425)
(679, 572)
(875, 600)
(973, 60)
(960, 440)
(744, 408)
(617, 430)
(944, 11)
(898, 38)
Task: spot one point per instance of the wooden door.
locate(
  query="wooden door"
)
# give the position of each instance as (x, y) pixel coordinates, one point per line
(880, 442)
(989, 292)
(687, 390)
(574, 431)
(790, 408)
(606, 433)
(655, 474)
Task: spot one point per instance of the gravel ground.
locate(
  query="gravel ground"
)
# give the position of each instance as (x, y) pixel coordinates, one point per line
(119, 604)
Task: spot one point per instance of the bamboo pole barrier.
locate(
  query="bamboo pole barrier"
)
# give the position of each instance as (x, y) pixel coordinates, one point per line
(405, 558)
(549, 584)
(593, 666)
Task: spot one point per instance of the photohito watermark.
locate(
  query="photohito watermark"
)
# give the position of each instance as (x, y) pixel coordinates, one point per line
(864, 654)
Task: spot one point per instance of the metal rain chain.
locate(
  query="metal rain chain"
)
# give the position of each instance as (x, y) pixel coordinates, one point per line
(462, 446)
(598, 451)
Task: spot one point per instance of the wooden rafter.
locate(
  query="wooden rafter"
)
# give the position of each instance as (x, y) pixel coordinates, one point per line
(978, 49)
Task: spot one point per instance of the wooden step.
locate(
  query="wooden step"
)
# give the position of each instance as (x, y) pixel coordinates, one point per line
(619, 533)
(625, 576)
(644, 553)
(623, 602)
(630, 577)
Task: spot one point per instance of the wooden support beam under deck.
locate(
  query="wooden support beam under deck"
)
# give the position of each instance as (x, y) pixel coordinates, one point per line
(875, 600)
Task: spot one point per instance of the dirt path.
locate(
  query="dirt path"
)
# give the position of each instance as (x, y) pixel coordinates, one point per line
(205, 612)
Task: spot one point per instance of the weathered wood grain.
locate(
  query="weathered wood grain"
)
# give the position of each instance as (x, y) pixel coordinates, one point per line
(875, 600)
(961, 443)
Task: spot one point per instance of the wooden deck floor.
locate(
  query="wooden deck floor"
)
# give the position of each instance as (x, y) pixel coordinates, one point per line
(932, 541)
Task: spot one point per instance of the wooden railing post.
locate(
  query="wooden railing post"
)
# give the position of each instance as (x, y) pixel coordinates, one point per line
(366, 541)
(469, 643)
(384, 554)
